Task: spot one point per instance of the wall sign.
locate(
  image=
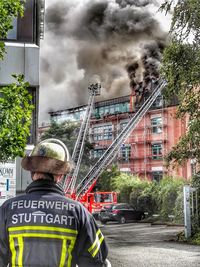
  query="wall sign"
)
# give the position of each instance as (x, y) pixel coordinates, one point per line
(7, 180)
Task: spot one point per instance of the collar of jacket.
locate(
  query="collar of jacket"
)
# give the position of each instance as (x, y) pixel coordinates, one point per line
(44, 185)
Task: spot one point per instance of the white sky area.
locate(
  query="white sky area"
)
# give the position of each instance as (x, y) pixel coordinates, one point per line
(68, 60)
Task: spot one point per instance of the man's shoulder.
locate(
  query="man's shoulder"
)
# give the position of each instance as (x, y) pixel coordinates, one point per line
(10, 200)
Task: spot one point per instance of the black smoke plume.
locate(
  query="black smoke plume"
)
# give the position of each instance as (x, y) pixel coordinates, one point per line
(116, 39)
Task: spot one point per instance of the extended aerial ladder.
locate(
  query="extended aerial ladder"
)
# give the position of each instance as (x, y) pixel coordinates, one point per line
(88, 181)
(71, 179)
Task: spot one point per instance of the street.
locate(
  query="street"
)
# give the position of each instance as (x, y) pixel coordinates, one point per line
(143, 245)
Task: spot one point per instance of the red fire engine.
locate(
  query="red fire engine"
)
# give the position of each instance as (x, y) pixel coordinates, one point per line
(82, 191)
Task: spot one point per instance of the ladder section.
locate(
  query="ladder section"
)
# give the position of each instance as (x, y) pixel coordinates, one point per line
(94, 90)
(112, 150)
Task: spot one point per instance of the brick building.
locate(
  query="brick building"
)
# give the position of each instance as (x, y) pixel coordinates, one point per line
(143, 151)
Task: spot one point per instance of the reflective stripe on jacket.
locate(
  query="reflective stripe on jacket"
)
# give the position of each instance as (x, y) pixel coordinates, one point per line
(43, 228)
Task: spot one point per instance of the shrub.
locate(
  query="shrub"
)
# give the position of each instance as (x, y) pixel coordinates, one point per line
(178, 209)
(147, 201)
(196, 238)
(169, 189)
(165, 198)
(123, 184)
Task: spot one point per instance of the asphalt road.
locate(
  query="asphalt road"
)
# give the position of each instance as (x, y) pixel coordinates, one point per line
(143, 245)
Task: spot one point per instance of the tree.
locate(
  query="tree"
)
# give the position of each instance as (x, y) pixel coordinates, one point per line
(67, 132)
(15, 100)
(104, 183)
(15, 119)
(124, 184)
(181, 69)
(8, 10)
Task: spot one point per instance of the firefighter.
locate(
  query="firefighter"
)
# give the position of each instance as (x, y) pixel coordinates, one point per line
(43, 227)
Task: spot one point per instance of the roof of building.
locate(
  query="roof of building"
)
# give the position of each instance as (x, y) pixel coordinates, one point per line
(101, 103)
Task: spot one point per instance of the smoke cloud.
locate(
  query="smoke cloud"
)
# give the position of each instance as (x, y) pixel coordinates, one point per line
(118, 40)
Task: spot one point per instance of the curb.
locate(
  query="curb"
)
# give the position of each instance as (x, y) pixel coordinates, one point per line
(167, 224)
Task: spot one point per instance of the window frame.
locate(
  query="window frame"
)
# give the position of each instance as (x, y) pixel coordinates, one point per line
(157, 147)
(157, 125)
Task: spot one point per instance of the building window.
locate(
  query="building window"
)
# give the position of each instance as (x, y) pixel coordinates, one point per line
(12, 34)
(156, 124)
(25, 28)
(97, 153)
(158, 102)
(102, 133)
(112, 109)
(156, 151)
(157, 176)
(125, 152)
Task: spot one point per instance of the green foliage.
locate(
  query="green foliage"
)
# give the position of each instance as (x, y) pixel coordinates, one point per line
(123, 184)
(169, 190)
(186, 17)
(137, 198)
(15, 101)
(181, 66)
(189, 145)
(181, 69)
(65, 131)
(164, 198)
(105, 179)
(195, 240)
(196, 184)
(68, 132)
(178, 208)
(15, 118)
(147, 200)
(8, 10)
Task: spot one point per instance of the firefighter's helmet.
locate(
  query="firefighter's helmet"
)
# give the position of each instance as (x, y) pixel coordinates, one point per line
(49, 156)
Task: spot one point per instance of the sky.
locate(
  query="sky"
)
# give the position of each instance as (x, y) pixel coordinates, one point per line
(108, 39)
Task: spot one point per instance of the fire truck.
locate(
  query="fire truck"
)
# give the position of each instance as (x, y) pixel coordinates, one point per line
(93, 201)
(82, 190)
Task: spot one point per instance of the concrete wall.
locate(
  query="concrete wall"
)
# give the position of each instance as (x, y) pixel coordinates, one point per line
(20, 58)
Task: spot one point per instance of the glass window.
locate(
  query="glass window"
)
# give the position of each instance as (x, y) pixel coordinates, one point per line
(125, 107)
(156, 124)
(12, 34)
(102, 132)
(158, 102)
(112, 109)
(117, 108)
(156, 151)
(107, 110)
(97, 153)
(104, 197)
(125, 152)
(24, 28)
(121, 206)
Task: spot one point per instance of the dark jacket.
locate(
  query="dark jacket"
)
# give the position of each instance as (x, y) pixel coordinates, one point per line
(43, 228)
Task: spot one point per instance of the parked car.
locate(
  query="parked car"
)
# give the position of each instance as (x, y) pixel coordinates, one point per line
(121, 212)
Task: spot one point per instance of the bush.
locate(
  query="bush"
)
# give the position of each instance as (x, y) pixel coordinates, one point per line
(169, 189)
(164, 198)
(196, 184)
(147, 201)
(123, 184)
(178, 209)
(196, 238)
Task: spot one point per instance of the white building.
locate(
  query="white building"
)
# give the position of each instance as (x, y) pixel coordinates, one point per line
(22, 57)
